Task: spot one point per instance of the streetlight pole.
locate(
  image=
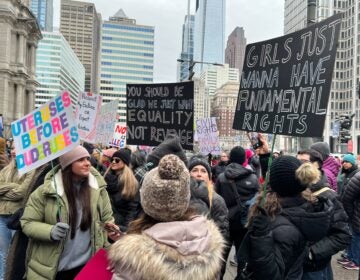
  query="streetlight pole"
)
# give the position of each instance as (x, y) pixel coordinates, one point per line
(192, 63)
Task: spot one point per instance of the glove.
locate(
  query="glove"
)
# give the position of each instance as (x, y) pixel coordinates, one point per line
(260, 225)
(59, 231)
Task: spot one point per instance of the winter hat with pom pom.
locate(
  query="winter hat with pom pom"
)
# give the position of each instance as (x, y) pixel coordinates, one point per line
(165, 191)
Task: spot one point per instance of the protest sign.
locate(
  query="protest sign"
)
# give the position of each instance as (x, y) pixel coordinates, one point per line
(155, 111)
(87, 115)
(285, 84)
(107, 119)
(45, 134)
(119, 136)
(208, 137)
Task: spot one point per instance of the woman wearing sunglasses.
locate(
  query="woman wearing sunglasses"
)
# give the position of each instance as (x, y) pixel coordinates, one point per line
(123, 189)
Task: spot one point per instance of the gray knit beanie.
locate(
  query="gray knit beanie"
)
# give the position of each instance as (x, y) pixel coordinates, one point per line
(323, 148)
(72, 156)
(165, 191)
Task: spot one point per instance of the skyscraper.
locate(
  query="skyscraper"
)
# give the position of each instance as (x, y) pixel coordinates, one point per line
(57, 68)
(43, 10)
(209, 34)
(235, 49)
(81, 26)
(295, 13)
(19, 34)
(187, 50)
(213, 78)
(127, 56)
(346, 76)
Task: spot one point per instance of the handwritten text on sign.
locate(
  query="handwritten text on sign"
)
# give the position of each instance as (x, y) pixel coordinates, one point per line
(105, 128)
(207, 133)
(286, 82)
(45, 133)
(119, 136)
(156, 110)
(87, 115)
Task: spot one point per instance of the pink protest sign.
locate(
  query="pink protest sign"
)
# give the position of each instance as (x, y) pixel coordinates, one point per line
(45, 134)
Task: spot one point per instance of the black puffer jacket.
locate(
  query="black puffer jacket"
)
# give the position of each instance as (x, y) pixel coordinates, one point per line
(218, 211)
(125, 210)
(280, 253)
(351, 201)
(218, 169)
(348, 174)
(338, 236)
(246, 182)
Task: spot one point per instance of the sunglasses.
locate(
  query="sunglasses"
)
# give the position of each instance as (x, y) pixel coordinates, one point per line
(116, 160)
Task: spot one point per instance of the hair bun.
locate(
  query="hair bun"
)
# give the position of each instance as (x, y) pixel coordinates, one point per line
(170, 167)
(308, 174)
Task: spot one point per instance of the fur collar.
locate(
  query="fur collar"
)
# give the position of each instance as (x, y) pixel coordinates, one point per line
(138, 256)
(60, 186)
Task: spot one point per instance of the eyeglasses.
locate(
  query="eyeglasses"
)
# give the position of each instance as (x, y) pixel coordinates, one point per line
(116, 160)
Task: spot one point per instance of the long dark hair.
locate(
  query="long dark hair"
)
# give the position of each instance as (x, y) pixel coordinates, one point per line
(72, 194)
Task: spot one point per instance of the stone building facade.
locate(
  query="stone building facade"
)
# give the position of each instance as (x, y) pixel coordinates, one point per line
(19, 33)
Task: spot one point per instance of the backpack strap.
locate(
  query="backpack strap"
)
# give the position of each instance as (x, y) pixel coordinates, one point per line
(236, 194)
(324, 189)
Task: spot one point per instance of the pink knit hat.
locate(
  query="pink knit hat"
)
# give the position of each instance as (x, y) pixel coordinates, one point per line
(73, 155)
(248, 155)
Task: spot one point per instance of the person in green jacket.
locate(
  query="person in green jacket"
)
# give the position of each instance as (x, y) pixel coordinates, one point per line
(13, 188)
(65, 217)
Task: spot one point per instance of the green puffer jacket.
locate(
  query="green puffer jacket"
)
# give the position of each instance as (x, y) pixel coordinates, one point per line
(13, 188)
(43, 254)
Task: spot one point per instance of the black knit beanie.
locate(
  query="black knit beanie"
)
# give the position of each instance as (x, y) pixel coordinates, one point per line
(237, 155)
(169, 146)
(123, 154)
(283, 180)
(199, 160)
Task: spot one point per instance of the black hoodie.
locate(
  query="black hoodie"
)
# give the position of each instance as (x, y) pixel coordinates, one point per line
(246, 182)
(280, 253)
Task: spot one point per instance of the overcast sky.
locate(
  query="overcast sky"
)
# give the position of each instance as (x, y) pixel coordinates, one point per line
(261, 19)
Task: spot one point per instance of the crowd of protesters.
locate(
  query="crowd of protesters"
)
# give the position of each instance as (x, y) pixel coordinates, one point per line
(162, 215)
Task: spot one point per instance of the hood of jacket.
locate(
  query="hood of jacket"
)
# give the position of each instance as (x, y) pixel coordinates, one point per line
(96, 181)
(331, 165)
(312, 219)
(235, 171)
(183, 249)
(323, 182)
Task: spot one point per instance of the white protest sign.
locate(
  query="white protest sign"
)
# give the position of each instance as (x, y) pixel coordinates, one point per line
(105, 128)
(45, 134)
(207, 134)
(87, 115)
(119, 136)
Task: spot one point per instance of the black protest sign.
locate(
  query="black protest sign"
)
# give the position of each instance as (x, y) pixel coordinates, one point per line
(286, 81)
(155, 111)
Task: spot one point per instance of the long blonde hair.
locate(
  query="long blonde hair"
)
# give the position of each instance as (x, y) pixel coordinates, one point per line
(210, 188)
(128, 180)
